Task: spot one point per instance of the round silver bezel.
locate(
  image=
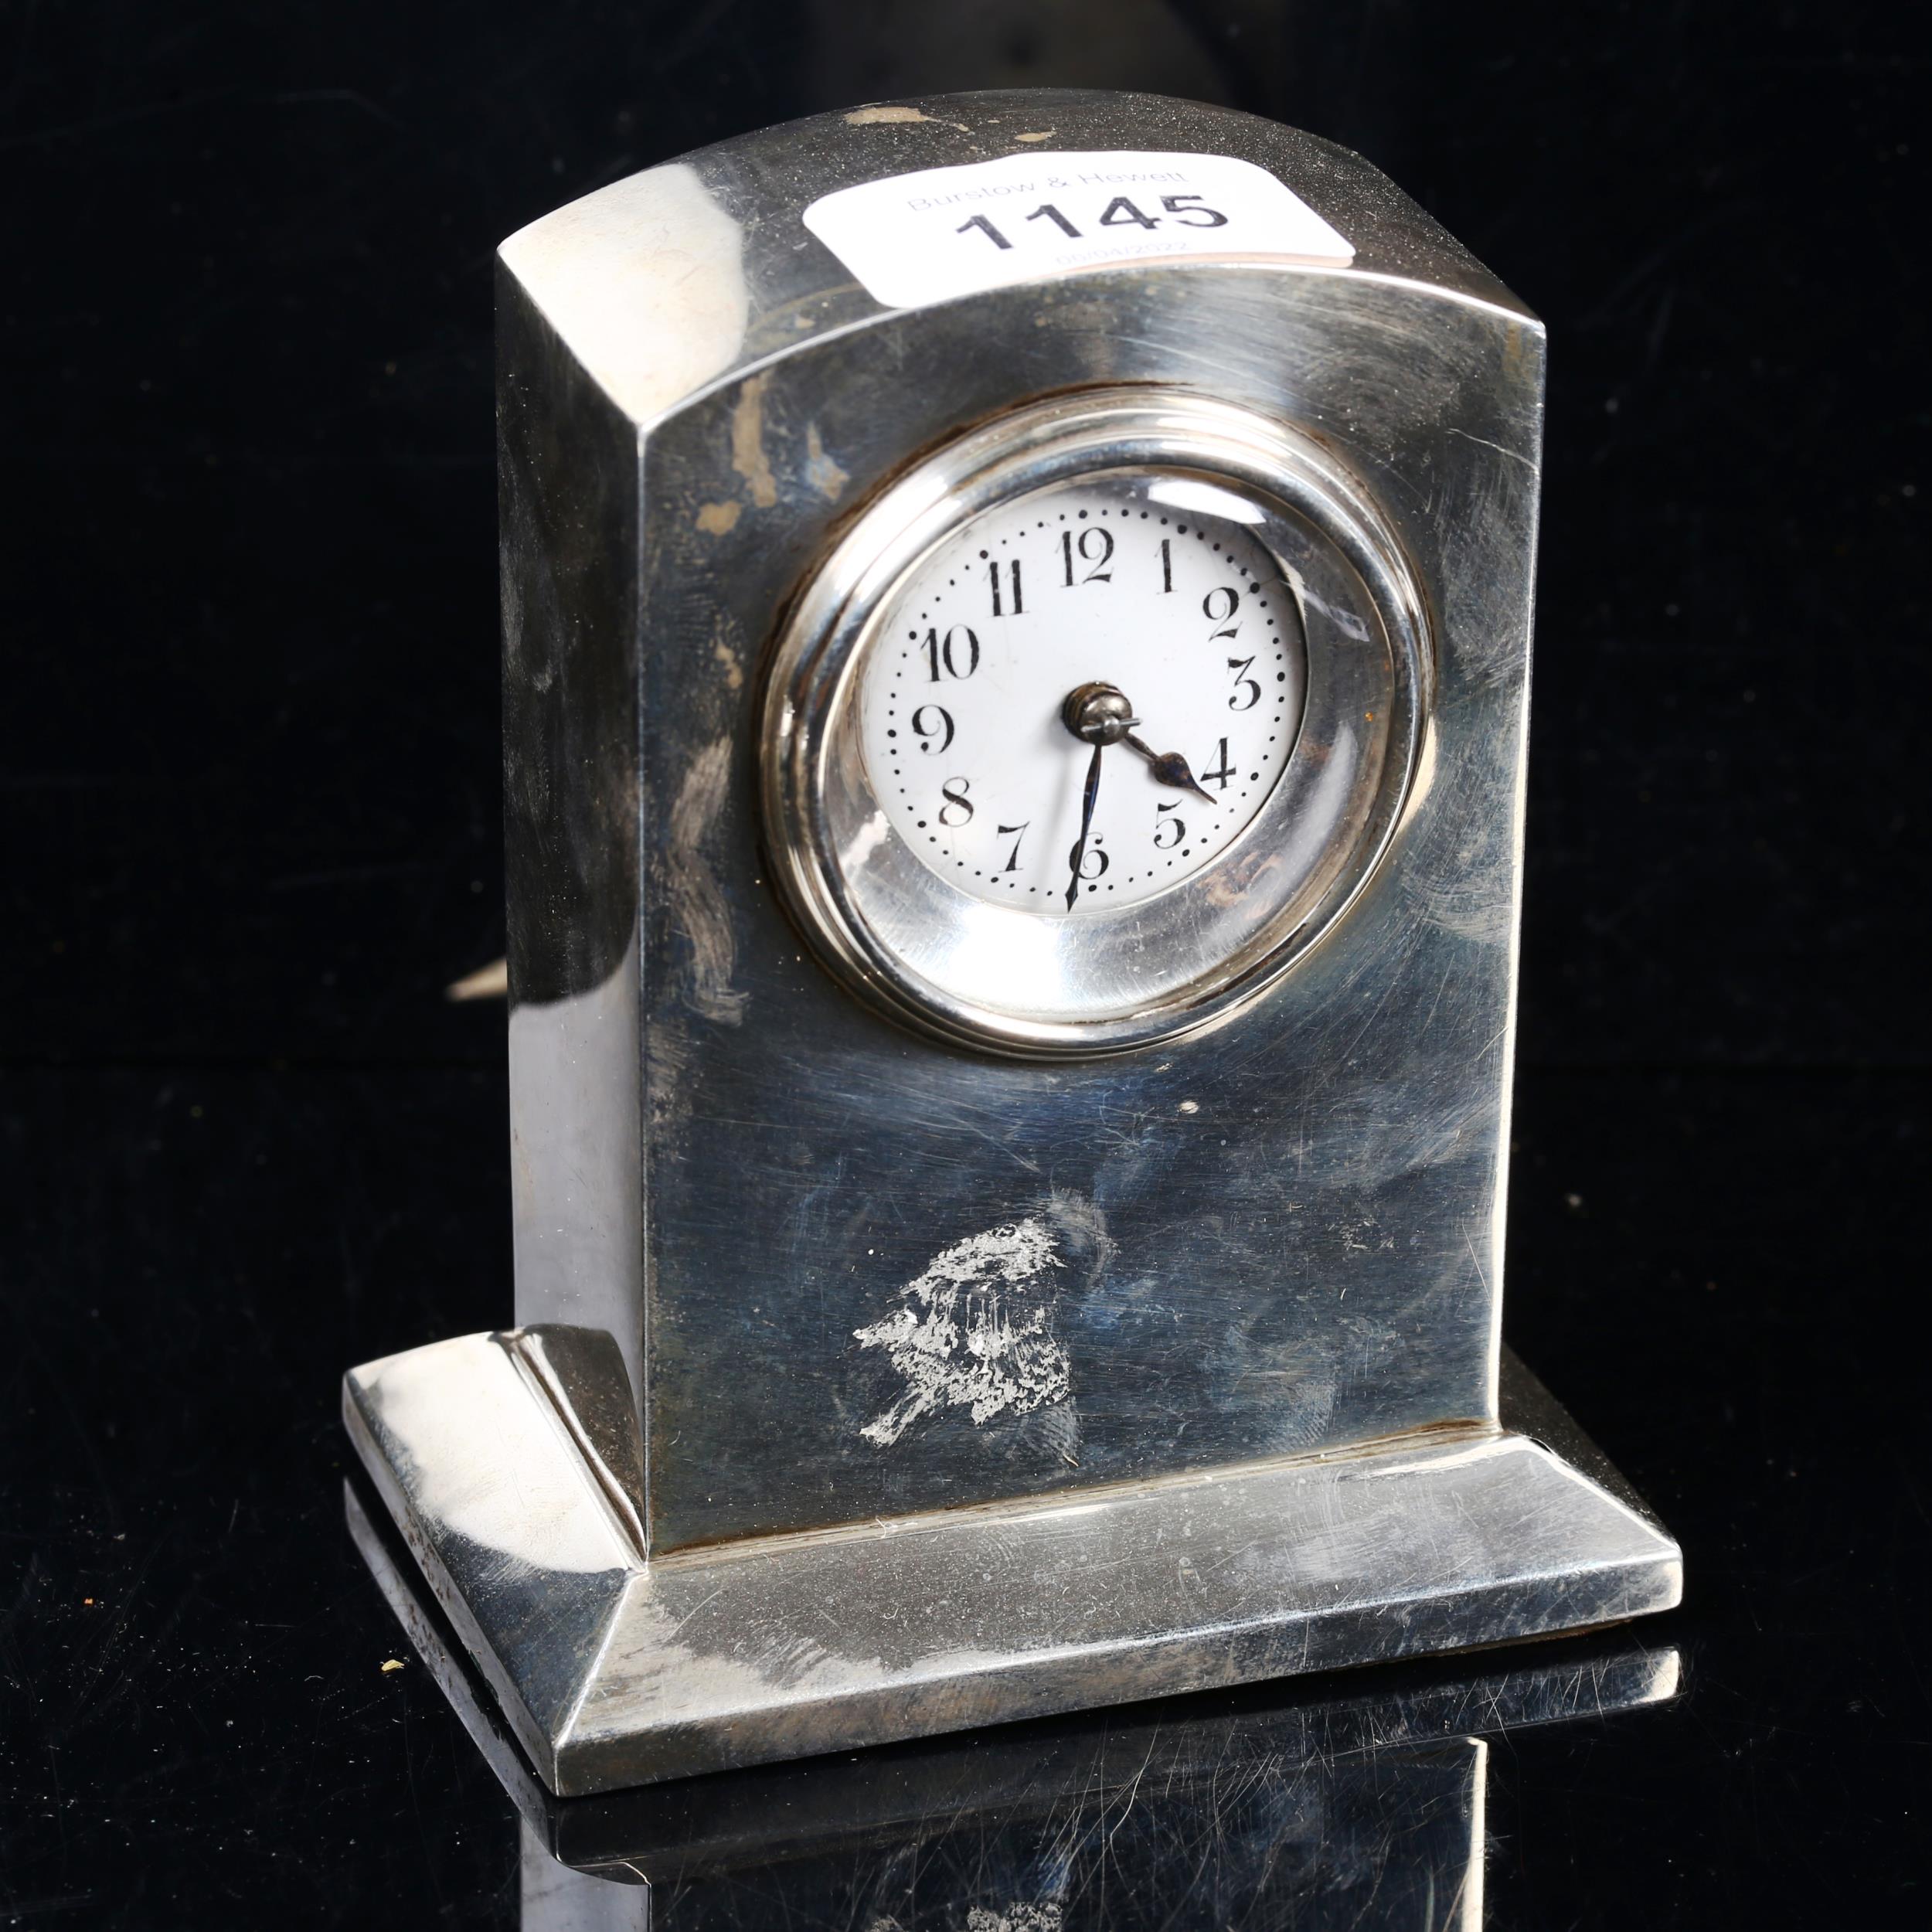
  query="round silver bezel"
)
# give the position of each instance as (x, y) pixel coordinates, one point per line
(1020, 982)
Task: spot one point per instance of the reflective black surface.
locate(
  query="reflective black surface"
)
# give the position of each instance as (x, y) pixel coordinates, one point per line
(249, 750)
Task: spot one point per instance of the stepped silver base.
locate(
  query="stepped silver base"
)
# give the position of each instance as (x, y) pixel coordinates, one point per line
(612, 1671)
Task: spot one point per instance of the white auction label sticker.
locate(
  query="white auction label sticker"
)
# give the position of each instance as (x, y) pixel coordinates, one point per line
(926, 237)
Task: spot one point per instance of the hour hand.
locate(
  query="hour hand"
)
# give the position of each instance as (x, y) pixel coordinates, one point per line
(1169, 768)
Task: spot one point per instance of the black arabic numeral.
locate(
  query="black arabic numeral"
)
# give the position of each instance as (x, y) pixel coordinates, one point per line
(986, 228)
(1015, 833)
(992, 576)
(1084, 550)
(1242, 682)
(1177, 826)
(1093, 861)
(932, 721)
(1225, 615)
(946, 654)
(1225, 770)
(958, 810)
(1167, 565)
(1059, 220)
(1177, 206)
(1120, 212)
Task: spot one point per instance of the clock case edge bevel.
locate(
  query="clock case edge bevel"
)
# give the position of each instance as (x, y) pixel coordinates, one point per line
(585, 582)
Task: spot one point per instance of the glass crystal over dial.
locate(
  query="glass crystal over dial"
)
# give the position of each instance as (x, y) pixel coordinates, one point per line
(1083, 697)
(1091, 723)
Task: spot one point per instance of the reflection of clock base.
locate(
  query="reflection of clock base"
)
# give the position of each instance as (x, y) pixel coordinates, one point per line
(615, 1671)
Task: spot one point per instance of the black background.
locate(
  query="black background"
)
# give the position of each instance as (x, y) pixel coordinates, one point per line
(248, 760)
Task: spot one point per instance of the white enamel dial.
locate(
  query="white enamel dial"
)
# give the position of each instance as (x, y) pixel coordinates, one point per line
(1155, 586)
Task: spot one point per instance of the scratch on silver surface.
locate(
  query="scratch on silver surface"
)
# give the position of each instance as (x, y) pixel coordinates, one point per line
(1514, 456)
(896, 114)
(698, 904)
(823, 472)
(748, 456)
(1022, 1916)
(974, 1332)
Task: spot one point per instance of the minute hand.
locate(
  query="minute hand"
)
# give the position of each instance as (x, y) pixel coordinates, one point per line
(1169, 767)
(1092, 792)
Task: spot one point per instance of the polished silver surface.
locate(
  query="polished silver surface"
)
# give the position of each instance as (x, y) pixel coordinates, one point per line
(904, 1321)
(1006, 978)
(1356, 1802)
(1279, 1234)
(613, 1670)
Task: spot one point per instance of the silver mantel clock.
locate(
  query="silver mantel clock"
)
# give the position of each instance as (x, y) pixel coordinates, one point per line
(1016, 628)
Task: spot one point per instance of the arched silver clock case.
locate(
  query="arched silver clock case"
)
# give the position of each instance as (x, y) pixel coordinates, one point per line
(936, 1303)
